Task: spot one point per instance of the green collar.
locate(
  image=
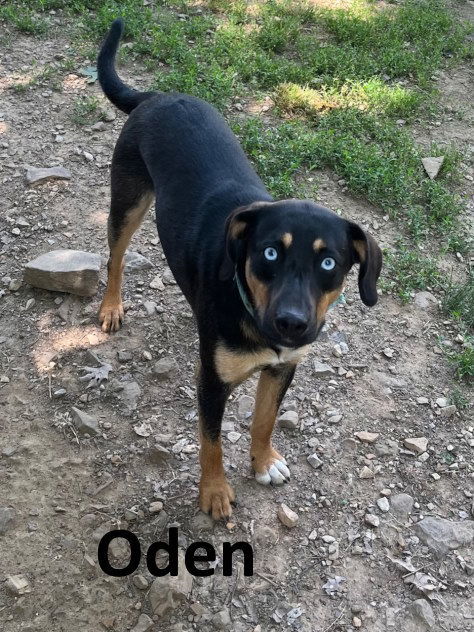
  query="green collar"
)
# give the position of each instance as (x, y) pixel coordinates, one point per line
(341, 299)
(243, 295)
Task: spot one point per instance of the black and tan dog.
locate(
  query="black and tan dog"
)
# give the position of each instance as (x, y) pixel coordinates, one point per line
(258, 274)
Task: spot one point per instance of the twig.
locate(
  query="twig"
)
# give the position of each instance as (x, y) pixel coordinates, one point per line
(267, 579)
(335, 620)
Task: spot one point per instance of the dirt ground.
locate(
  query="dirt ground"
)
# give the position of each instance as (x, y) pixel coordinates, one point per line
(64, 491)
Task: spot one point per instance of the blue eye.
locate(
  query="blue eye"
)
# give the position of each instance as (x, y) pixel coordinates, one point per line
(270, 254)
(328, 263)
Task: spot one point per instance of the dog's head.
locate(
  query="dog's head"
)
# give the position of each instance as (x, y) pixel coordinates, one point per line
(292, 258)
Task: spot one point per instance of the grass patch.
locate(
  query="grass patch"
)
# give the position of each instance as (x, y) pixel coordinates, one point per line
(407, 271)
(463, 361)
(85, 110)
(458, 302)
(24, 19)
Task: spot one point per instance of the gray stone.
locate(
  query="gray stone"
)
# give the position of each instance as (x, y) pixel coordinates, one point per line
(18, 585)
(130, 394)
(84, 423)
(383, 504)
(140, 582)
(314, 461)
(165, 368)
(416, 444)
(432, 165)
(320, 369)
(423, 612)
(425, 300)
(289, 420)
(401, 505)
(442, 535)
(73, 271)
(245, 406)
(158, 454)
(100, 126)
(144, 623)
(134, 262)
(7, 516)
(150, 307)
(124, 356)
(167, 593)
(221, 620)
(36, 176)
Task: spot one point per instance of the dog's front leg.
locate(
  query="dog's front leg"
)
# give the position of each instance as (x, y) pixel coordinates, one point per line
(268, 464)
(215, 493)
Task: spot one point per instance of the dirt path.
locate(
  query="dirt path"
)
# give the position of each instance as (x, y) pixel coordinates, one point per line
(64, 492)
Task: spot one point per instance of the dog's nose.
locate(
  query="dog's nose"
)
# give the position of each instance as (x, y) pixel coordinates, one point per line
(291, 323)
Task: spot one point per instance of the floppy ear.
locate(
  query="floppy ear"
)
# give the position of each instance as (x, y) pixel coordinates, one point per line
(367, 253)
(236, 230)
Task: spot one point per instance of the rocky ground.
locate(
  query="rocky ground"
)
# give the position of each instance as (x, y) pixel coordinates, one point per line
(381, 458)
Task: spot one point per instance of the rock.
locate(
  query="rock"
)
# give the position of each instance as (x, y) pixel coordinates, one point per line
(168, 277)
(288, 517)
(289, 420)
(130, 394)
(367, 437)
(383, 504)
(109, 115)
(158, 454)
(155, 507)
(140, 582)
(134, 262)
(442, 535)
(388, 352)
(371, 520)
(448, 411)
(73, 271)
(366, 472)
(221, 620)
(314, 461)
(165, 368)
(357, 622)
(320, 369)
(245, 406)
(84, 423)
(421, 610)
(100, 126)
(432, 165)
(167, 592)
(422, 400)
(157, 283)
(18, 585)
(150, 307)
(36, 176)
(144, 623)
(233, 436)
(124, 356)
(425, 300)
(442, 402)
(388, 447)
(417, 444)
(328, 539)
(401, 505)
(7, 516)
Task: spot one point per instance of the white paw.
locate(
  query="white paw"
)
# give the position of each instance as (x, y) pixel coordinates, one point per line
(276, 474)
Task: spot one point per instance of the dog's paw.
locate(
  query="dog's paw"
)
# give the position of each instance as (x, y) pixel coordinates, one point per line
(215, 498)
(111, 316)
(270, 467)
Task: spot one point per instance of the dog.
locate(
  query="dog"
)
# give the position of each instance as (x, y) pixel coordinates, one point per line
(259, 274)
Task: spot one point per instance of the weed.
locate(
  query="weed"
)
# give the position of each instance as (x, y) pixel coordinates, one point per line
(458, 301)
(85, 110)
(408, 270)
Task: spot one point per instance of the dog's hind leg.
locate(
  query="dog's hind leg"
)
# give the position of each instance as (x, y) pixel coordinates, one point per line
(132, 196)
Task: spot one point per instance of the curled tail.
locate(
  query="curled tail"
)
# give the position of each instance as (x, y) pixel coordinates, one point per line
(123, 97)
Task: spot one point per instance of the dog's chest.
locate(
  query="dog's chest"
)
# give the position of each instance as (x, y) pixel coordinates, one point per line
(235, 366)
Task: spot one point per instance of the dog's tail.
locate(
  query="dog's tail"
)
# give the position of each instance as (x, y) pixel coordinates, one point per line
(123, 97)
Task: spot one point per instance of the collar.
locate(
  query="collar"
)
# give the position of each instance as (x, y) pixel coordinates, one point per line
(243, 295)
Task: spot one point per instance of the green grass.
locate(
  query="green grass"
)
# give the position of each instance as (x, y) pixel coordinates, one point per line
(463, 361)
(340, 78)
(458, 302)
(85, 110)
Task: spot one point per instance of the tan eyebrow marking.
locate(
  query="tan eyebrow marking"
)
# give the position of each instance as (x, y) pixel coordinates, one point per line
(319, 244)
(287, 239)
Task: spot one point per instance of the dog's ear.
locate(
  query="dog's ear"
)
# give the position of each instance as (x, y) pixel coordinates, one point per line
(367, 253)
(236, 230)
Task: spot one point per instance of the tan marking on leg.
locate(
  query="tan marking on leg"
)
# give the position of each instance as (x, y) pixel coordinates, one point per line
(325, 301)
(318, 244)
(215, 493)
(258, 290)
(111, 310)
(262, 452)
(287, 239)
